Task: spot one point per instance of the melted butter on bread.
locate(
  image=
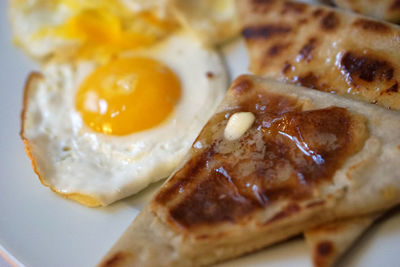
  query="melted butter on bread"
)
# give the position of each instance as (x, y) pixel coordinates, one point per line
(238, 124)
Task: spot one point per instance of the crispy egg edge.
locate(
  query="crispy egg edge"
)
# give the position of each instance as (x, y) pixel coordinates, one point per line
(84, 199)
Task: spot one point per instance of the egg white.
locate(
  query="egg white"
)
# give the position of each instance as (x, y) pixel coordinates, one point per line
(75, 161)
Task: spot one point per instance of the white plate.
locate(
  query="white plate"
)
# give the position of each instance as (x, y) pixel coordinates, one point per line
(39, 228)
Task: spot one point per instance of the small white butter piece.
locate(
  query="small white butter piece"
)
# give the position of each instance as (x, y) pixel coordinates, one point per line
(238, 124)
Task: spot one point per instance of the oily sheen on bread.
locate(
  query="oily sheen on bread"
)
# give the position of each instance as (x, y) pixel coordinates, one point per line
(322, 48)
(382, 9)
(317, 47)
(309, 158)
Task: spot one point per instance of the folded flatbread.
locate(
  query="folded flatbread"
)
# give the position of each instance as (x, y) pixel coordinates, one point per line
(322, 48)
(381, 9)
(331, 51)
(309, 158)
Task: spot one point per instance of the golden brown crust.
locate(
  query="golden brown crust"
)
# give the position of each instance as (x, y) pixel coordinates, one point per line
(324, 49)
(248, 172)
(158, 237)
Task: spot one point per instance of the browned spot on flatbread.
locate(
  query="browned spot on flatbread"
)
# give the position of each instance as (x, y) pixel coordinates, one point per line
(393, 89)
(324, 248)
(395, 5)
(286, 212)
(116, 259)
(265, 31)
(293, 7)
(366, 67)
(178, 184)
(303, 21)
(371, 25)
(286, 67)
(307, 80)
(210, 74)
(315, 204)
(277, 49)
(318, 12)
(229, 180)
(330, 21)
(305, 52)
(242, 85)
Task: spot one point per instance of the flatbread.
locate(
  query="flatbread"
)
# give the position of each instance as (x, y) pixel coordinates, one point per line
(381, 9)
(322, 48)
(330, 241)
(319, 63)
(309, 158)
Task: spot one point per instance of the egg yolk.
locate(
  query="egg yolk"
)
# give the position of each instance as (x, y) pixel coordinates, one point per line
(128, 95)
(106, 29)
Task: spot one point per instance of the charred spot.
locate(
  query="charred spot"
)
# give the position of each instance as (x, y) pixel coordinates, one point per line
(393, 89)
(195, 166)
(210, 74)
(262, 2)
(242, 84)
(265, 31)
(288, 211)
(303, 21)
(205, 205)
(116, 259)
(371, 25)
(276, 49)
(328, 2)
(325, 248)
(330, 21)
(366, 68)
(395, 4)
(305, 52)
(293, 7)
(308, 80)
(315, 204)
(286, 67)
(318, 12)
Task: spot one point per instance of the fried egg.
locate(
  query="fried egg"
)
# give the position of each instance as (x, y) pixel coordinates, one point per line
(87, 28)
(99, 132)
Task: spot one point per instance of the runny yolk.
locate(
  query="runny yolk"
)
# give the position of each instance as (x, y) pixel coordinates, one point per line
(128, 95)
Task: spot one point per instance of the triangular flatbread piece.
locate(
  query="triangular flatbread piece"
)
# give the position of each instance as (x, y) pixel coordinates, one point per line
(274, 160)
(322, 48)
(318, 47)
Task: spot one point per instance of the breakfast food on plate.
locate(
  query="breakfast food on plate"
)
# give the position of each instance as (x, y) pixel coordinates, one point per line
(90, 28)
(97, 133)
(330, 241)
(86, 28)
(322, 48)
(381, 9)
(327, 50)
(213, 22)
(302, 159)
